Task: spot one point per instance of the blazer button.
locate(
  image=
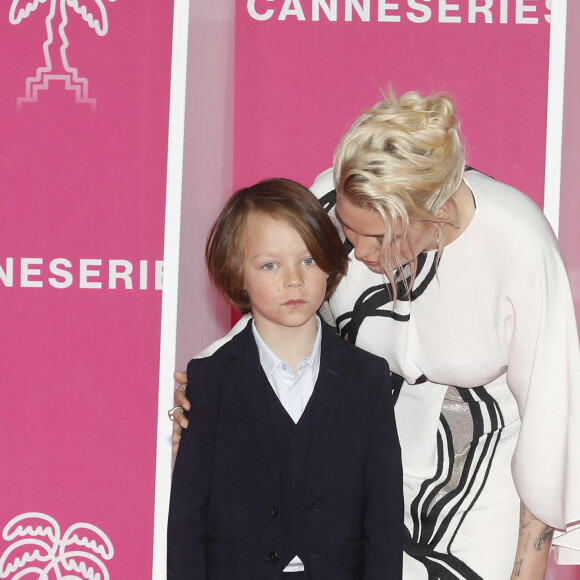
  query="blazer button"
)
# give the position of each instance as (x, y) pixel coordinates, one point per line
(273, 557)
(273, 511)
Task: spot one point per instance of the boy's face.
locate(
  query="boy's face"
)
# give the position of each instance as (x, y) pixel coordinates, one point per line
(284, 284)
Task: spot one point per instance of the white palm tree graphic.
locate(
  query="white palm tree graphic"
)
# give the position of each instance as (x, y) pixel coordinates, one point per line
(37, 548)
(56, 66)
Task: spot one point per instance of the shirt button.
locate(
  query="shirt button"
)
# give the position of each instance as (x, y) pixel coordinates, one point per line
(273, 511)
(272, 557)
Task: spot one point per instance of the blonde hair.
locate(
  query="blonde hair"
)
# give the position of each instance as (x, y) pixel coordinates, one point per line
(404, 159)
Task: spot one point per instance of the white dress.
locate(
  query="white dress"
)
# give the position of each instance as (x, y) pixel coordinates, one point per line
(488, 350)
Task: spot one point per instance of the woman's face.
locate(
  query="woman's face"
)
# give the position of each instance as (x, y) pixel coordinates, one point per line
(365, 230)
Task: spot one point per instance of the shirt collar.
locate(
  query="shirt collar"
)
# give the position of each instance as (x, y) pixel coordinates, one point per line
(270, 360)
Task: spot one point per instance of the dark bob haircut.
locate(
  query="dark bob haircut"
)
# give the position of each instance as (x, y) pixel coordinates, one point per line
(281, 199)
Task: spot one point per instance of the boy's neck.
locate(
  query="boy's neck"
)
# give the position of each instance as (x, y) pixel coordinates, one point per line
(290, 343)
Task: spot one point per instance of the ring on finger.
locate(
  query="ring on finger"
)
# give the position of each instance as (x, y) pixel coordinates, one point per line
(171, 412)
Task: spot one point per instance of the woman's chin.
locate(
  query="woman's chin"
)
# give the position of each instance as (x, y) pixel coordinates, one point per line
(373, 266)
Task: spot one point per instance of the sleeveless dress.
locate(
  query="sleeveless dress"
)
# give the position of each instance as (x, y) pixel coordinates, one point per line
(487, 353)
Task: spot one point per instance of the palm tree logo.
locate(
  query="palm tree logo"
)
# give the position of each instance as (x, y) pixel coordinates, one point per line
(56, 66)
(37, 548)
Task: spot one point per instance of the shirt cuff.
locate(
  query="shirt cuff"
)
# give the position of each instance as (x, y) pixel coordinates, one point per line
(295, 565)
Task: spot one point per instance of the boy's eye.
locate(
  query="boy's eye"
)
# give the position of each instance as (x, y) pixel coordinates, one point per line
(269, 266)
(309, 261)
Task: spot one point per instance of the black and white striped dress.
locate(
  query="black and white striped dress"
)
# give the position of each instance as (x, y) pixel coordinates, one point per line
(487, 352)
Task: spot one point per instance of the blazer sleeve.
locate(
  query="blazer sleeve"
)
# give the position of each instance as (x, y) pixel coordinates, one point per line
(383, 514)
(236, 329)
(186, 532)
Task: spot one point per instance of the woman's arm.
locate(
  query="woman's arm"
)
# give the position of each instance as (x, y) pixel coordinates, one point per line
(533, 547)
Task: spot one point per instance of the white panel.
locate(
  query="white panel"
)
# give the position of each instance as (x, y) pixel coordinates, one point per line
(555, 113)
(199, 177)
(208, 170)
(170, 282)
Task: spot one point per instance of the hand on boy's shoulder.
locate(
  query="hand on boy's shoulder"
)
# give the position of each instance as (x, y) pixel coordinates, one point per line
(181, 404)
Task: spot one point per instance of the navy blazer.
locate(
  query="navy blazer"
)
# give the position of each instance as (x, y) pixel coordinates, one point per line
(223, 523)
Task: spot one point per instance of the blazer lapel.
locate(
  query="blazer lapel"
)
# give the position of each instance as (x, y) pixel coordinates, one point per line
(329, 376)
(252, 387)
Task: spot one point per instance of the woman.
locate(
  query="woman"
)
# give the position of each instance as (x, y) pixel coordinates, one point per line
(457, 281)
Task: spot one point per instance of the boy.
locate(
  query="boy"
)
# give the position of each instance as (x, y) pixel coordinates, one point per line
(291, 465)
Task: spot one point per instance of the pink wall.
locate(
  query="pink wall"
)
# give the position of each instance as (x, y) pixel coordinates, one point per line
(301, 82)
(82, 176)
(86, 181)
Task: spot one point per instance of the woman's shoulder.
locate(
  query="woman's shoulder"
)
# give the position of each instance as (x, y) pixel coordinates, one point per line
(506, 213)
(323, 184)
(493, 196)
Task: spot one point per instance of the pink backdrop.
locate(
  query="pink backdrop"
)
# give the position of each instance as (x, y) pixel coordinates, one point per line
(300, 83)
(83, 183)
(83, 180)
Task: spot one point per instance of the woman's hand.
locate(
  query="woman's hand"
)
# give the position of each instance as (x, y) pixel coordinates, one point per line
(533, 547)
(179, 419)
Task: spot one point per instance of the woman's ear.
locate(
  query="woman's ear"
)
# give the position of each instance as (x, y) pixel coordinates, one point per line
(444, 212)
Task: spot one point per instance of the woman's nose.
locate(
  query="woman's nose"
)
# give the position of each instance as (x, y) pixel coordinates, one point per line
(365, 247)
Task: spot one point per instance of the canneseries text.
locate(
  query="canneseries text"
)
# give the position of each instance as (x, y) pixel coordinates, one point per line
(85, 273)
(415, 11)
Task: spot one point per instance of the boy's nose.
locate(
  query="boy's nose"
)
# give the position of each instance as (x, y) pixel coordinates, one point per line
(294, 277)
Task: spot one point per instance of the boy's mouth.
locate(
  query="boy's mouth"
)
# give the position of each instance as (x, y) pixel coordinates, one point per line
(294, 303)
